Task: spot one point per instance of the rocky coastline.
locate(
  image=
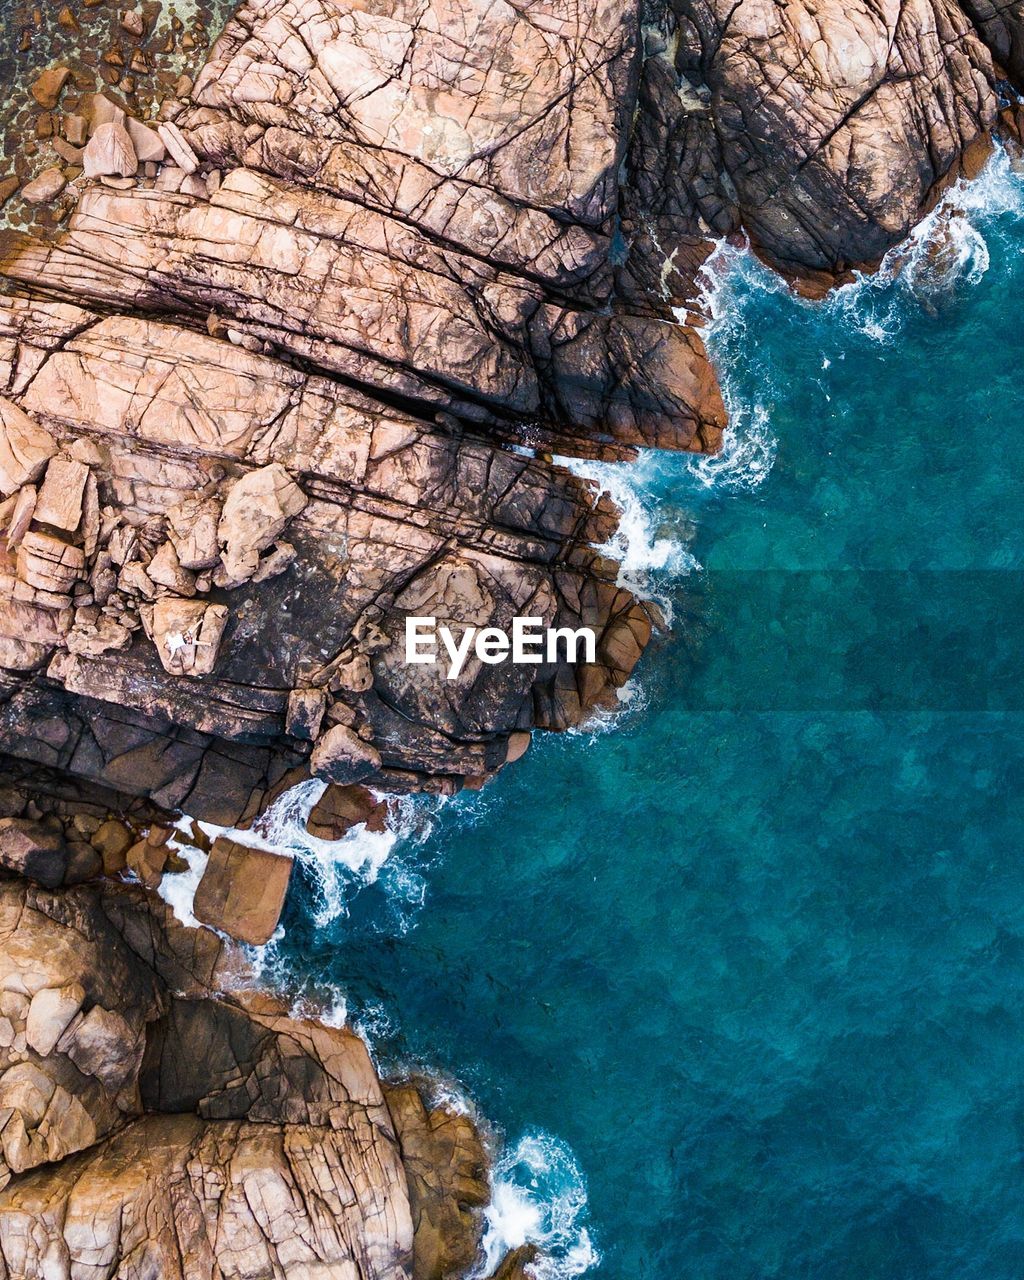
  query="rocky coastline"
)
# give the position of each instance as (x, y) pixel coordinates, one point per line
(288, 349)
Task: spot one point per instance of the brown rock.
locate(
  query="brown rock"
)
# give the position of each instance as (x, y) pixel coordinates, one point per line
(21, 516)
(192, 528)
(341, 808)
(49, 184)
(47, 87)
(134, 23)
(448, 1187)
(305, 712)
(112, 840)
(242, 891)
(8, 187)
(31, 850)
(340, 755)
(76, 129)
(147, 861)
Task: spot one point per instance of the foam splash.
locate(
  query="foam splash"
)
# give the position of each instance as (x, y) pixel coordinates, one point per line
(539, 1196)
(336, 868)
(178, 890)
(945, 255)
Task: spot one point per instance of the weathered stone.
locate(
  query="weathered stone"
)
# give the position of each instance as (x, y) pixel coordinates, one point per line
(21, 516)
(146, 142)
(192, 527)
(166, 571)
(25, 447)
(110, 153)
(187, 634)
(32, 851)
(48, 563)
(256, 511)
(61, 494)
(340, 755)
(448, 1185)
(147, 861)
(48, 86)
(46, 187)
(242, 891)
(178, 146)
(341, 808)
(305, 712)
(51, 1010)
(112, 840)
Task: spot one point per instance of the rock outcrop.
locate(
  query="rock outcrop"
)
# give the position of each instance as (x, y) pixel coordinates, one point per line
(158, 1117)
(292, 379)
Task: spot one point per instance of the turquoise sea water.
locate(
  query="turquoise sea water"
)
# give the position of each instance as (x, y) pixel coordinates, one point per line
(740, 977)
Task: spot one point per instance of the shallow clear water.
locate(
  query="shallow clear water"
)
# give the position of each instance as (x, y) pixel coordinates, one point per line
(755, 954)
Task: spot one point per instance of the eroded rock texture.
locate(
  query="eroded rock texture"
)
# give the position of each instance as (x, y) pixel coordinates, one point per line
(273, 397)
(151, 1125)
(258, 401)
(823, 131)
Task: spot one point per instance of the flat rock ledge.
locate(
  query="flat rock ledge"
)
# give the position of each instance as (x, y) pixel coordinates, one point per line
(161, 1117)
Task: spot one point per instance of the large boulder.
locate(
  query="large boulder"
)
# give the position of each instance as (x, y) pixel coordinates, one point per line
(242, 891)
(34, 851)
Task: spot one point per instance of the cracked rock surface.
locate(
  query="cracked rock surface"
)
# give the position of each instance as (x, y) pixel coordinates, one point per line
(297, 377)
(151, 1124)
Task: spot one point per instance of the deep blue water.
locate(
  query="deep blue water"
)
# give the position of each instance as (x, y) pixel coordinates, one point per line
(750, 962)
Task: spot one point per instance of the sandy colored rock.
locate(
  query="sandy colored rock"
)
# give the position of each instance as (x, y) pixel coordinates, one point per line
(61, 494)
(46, 187)
(257, 510)
(242, 891)
(48, 86)
(25, 447)
(178, 146)
(340, 755)
(110, 153)
(448, 1185)
(146, 142)
(187, 634)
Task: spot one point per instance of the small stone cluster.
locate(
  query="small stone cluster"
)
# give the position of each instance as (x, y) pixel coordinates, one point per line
(137, 57)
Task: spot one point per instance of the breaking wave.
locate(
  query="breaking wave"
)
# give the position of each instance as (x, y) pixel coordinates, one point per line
(539, 1197)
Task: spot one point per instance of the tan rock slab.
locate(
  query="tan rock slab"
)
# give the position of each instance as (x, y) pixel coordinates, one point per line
(48, 186)
(187, 634)
(110, 153)
(242, 891)
(61, 494)
(25, 447)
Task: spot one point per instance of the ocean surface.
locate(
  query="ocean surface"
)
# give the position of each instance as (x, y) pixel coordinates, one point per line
(739, 974)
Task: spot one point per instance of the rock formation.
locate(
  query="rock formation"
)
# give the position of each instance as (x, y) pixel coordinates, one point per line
(285, 383)
(159, 1118)
(294, 371)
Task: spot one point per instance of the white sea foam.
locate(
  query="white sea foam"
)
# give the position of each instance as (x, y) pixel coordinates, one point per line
(945, 255)
(179, 890)
(539, 1196)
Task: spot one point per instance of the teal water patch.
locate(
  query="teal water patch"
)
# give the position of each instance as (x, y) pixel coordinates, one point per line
(755, 952)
